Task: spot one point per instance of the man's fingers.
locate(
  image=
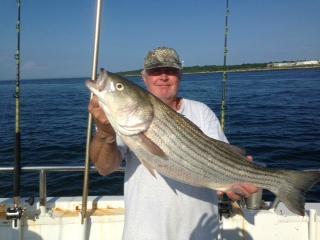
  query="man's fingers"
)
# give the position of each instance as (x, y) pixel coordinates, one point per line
(93, 104)
(250, 158)
(99, 117)
(97, 111)
(95, 101)
(240, 190)
(250, 188)
(219, 193)
(233, 196)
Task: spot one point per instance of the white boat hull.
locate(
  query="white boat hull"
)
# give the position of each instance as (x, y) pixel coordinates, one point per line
(62, 220)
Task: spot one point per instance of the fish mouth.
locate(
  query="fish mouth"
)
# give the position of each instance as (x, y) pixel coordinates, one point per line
(99, 84)
(92, 85)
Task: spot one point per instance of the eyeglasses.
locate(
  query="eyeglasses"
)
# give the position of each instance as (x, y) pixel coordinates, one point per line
(163, 70)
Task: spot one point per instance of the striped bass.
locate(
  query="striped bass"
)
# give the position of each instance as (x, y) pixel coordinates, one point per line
(166, 142)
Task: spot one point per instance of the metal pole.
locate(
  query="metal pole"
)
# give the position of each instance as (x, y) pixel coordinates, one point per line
(43, 191)
(225, 74)
(89, 127)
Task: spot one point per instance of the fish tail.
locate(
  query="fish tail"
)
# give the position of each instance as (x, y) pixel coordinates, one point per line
(296, 184)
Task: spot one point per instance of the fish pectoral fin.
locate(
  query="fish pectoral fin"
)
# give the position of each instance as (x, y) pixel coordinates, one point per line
(151, 146)
(149, 167)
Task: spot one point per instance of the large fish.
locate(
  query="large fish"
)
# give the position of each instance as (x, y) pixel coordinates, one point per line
(166, 142)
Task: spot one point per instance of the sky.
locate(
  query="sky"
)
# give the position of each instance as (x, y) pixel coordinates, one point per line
(57, 35)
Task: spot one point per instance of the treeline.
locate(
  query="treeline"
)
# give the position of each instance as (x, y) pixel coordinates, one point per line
(208, 68)
(216, 68)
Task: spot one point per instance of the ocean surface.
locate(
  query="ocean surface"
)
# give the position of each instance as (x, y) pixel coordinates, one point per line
(274, 115)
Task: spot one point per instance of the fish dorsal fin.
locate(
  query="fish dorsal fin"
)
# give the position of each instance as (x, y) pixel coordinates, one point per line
(233, 148)
(151, 146)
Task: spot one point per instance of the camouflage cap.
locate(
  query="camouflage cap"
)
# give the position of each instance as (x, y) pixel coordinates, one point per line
(162, 57)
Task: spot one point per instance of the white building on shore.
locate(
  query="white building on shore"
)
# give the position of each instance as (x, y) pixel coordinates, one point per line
(293, 64)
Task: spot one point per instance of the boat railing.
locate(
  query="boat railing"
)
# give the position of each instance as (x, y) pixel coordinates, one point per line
(43, 170)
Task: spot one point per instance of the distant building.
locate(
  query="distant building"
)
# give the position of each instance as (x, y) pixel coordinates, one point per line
(293, 64)
(312, 62)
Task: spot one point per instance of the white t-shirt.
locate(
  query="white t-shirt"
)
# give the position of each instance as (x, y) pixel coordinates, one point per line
(159, 208)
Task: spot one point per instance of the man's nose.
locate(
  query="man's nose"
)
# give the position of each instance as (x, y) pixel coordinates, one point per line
(164, 76)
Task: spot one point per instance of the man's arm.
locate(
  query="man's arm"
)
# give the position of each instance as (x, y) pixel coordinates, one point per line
(104, 152)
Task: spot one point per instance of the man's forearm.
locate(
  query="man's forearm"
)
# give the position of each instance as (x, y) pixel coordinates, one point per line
(104, 153)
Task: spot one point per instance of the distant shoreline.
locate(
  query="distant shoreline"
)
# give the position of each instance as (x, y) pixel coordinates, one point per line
(260, 69)
(185, 70)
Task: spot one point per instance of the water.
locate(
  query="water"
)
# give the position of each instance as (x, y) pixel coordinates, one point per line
(274, 115)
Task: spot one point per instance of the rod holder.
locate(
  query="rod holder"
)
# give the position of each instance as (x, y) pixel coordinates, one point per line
(43, 191)
(254, 202)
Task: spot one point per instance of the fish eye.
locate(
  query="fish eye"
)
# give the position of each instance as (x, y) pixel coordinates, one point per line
(119, 86)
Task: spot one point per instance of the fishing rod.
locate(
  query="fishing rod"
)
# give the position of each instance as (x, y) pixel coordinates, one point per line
(225, 74)
(14, 213)
(253, 202)
(89, 127)
(224, 204)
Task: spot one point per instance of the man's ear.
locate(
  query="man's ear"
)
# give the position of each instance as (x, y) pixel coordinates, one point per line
(144, 78)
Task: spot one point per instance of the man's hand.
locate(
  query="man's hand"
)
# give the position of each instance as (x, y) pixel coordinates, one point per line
(237, 191)
(104, 128)
(104, 152)
(241, 190)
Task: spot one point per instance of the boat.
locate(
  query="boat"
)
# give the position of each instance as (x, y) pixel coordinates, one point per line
(102, 217)
(52, 218)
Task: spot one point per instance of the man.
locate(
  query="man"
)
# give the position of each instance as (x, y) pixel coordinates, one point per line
(159, 207)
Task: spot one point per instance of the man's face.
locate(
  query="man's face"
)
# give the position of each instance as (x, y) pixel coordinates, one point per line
(163, 82)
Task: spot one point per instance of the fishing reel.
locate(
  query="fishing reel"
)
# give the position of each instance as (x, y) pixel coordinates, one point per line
(224, 207)
(14, 213)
